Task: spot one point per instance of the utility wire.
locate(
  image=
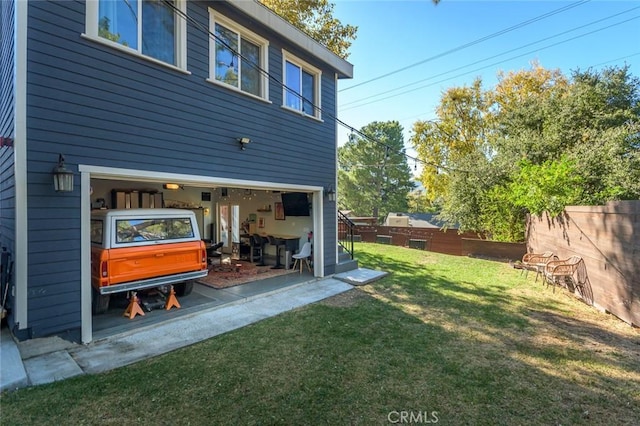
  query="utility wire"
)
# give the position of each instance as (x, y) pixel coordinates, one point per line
(491, 57)
(249, 61)
(617, 59)
(206, 30)
(472, 43)
(490, 65)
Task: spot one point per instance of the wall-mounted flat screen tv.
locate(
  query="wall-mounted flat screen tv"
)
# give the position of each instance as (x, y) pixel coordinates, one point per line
(295, 203)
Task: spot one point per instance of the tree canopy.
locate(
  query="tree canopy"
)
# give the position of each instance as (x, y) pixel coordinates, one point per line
(537, 141)
(373, 175)
(315, 17)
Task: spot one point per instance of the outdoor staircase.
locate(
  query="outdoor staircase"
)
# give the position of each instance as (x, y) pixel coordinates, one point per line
(345, 262)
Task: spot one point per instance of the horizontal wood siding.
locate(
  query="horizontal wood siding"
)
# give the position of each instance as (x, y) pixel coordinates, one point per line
(607, 238)
(7, 63)
(330, 221)
(100, 106)
(7, 206)
(7, 120)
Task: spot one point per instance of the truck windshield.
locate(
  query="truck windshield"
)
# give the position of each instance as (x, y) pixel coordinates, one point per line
(133, 230)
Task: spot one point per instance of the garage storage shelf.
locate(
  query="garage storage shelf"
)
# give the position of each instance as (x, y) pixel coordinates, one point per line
(132, 199)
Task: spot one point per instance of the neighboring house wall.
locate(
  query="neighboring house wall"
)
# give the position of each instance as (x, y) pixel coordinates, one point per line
(102, 107)
(416, 220)
(606, 237)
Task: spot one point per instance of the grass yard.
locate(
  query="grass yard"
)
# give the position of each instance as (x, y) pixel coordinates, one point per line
(442, 339)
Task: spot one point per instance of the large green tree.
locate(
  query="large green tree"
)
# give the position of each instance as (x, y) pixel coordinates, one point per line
(373, 175)
(460, 130)
(586, 127)
(316, 18)
(535, 142)
(450, 147)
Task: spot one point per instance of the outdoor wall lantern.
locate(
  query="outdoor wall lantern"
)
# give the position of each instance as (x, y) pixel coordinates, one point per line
(330, 193)
(62, 178)
(243, 142)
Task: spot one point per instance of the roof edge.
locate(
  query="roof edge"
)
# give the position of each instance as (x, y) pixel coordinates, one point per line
(274, 21)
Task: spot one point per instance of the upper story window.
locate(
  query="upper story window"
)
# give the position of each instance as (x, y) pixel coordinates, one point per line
(237, 56)
(302, 81)
(151, 28)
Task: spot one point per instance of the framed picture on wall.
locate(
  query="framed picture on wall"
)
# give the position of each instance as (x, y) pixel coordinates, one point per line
(279, 211)
(261, 222)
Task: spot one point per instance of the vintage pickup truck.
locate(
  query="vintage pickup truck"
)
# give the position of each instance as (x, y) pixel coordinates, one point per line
(137, 249)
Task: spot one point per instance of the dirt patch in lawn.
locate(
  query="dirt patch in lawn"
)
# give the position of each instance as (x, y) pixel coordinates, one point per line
(346, 299)
(597, 331)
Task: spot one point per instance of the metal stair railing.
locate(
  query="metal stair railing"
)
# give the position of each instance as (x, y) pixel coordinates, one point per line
(345, 233)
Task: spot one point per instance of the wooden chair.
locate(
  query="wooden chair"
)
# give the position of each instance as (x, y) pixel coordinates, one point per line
(537, 262)
(556, 271)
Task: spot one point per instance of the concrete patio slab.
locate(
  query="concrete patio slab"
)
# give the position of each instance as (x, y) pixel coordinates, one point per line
(12, 372)
(360, 276)
(51, 367)
(51, 359)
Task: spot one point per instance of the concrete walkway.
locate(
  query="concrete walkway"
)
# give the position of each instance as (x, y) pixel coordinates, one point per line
(46, 360)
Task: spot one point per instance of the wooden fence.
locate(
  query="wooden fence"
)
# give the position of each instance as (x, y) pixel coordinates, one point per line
(608, 239)
(441, 241)
(432, 239)
(493, 249)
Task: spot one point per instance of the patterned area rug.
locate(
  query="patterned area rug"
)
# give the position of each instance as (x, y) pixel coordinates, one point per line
(239, 272)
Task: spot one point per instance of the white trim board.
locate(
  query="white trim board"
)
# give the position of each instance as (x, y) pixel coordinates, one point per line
(88, 172)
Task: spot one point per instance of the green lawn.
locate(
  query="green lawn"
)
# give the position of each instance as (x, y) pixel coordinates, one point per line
(442, 338)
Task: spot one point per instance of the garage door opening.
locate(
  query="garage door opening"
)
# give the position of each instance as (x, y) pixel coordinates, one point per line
(238, 269)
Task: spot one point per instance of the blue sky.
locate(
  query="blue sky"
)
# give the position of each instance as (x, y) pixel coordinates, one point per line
(396, 34)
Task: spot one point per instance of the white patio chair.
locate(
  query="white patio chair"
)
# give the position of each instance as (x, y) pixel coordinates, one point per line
(304, 254)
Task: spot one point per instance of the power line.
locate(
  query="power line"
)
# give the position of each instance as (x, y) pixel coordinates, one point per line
(617, 59)
(407, 156)
(280, 83)
(491, 57)
(187, 18)
(490, 65)
(235, 52)
(472, 43)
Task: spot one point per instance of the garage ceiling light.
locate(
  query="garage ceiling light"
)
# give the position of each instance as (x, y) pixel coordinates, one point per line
(172, 186)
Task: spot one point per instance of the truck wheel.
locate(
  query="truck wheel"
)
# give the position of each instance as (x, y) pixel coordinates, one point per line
(99, 302)
(183, 289)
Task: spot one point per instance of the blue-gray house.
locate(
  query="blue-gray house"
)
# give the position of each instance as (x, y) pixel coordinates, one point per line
(223, 101)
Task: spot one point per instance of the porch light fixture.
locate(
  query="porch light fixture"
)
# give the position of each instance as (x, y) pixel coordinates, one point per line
(62, 177)
(330, 193)
(243, 142)
(172, 186)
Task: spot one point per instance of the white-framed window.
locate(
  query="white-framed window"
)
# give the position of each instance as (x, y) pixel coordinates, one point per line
(149, 28)
(302, 86)
(237, 57)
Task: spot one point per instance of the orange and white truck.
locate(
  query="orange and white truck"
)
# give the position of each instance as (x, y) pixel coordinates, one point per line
(136, 249)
